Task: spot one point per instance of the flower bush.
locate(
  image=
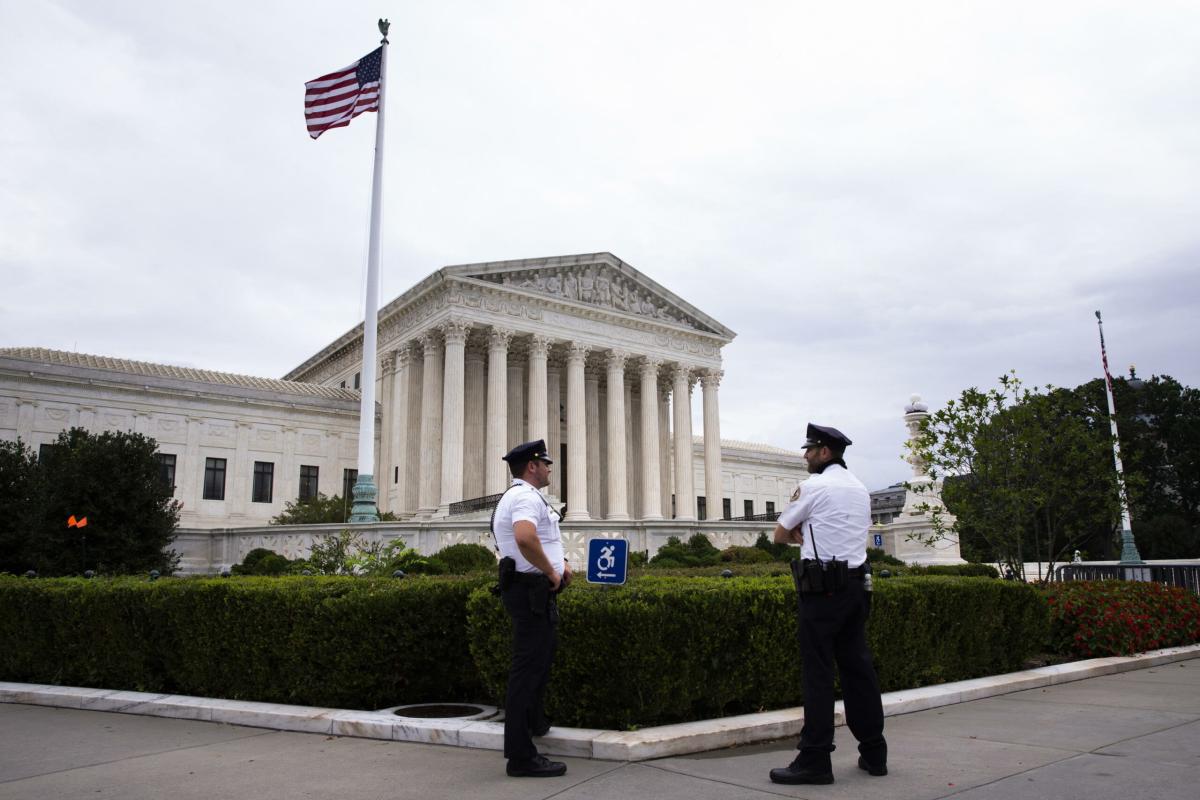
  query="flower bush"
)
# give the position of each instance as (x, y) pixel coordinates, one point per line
(1104, 618)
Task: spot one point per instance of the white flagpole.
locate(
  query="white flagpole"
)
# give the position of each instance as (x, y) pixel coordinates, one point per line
(365, 492)
(1129, 551)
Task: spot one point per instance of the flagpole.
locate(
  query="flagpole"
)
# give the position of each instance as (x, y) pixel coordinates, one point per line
(365, 491)
(1129, 551)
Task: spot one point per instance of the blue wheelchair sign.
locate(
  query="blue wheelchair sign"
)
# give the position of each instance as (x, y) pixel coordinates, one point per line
(879, 540)
(607, 561)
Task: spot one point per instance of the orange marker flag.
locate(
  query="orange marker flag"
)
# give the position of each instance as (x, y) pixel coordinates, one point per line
(82, 522)
(71, 523)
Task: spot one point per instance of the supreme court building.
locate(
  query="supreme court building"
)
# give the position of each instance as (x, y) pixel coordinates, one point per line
(583, 351)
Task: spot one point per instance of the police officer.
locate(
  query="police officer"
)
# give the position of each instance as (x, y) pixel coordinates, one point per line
(829, 516)
(532, 572)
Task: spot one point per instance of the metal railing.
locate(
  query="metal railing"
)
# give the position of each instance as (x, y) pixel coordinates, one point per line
(475, 504)
(1185, 576)
(772, 517)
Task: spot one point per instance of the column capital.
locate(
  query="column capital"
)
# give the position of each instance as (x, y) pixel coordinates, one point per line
(577, 353)
(615, 359)
(680, 372)
(649, 367)
(455, 331)
(539, 345)
(404, 354)
(711, 378)
(498, 338)
(387, 364)
(431, 341)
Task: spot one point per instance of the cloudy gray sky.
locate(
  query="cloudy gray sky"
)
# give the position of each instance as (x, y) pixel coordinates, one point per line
(879, 198)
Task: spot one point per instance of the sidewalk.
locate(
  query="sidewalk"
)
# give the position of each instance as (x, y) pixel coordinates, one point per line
(1124, 735)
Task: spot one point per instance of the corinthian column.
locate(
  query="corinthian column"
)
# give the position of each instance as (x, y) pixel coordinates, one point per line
(431, 424)
(474, 441)
(651, 480)
(497, 411)
(401, 435)
(592, 428)
(710, 380)
(539, 346)
(681, 399)
(577, 455)
(664, 446)
(554, 422)
(618, 506)
(453, 419)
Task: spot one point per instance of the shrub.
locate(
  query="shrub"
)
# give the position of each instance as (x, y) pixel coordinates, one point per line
(745, 555)
(778, 551)
(731, 644)
(697, 552)
(876, 555)
(261, 561)
(325, 641)
(972, 570)
(1103, 618)
(460, 559)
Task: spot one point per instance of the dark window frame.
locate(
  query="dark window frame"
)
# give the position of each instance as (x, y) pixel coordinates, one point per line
(349, 477)
(263, 488)
(167, 468)
(748, 507)
(214, 478)
(701, 507)
(726, 508)
(310, 481)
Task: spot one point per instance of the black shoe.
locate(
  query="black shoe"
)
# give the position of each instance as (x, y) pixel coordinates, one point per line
(798, 772)
(537, 767)
(876, 771)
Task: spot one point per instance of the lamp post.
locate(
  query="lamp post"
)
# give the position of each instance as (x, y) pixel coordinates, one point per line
(1129, 552)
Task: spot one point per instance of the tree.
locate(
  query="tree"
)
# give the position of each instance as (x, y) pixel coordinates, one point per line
(18, 469)
(112, 479)
(320, 510)
(1028, 475)
(1159, 424)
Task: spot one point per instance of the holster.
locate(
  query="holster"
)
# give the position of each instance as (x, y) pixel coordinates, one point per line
(814, 577)
(506, 572)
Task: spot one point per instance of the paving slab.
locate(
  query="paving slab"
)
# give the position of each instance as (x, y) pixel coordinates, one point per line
(1178, 746)
(922, 766)
(648, 781)
(1077, 728)
(36, 739)
(1094, 777)
(1118, 692)
(283, 765)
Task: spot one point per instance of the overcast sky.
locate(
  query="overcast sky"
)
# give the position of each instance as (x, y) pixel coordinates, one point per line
(879, 198)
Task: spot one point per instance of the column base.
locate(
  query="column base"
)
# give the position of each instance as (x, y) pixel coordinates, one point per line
(365, 493)
(576, 516)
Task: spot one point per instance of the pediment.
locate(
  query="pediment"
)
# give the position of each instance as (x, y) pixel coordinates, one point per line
(602, 281)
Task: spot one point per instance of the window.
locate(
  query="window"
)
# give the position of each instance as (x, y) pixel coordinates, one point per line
(46, 452)
(308, 482)
(770, 507)
(749, 506)
(214, 479)
(349, 476)
(343, 386)
(357, 380)
(726, 508)
(264, 480)
(166, 469)
(396, 479)
(701, 508)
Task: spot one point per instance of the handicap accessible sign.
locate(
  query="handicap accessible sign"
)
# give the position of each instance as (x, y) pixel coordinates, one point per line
(607, 560)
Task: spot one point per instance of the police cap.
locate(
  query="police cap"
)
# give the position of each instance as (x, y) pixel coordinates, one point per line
(821, 436)
(528, 451)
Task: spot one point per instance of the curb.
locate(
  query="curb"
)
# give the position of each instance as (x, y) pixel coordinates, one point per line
(665, 740)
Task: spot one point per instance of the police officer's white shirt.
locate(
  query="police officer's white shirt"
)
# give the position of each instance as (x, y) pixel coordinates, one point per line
(837, 506)
(523, 503)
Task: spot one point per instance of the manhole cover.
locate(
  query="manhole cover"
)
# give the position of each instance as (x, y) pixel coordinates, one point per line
(439, 711)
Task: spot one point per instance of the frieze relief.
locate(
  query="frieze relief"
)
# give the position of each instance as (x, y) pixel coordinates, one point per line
(310, 444)
(57, 414)
(597, 286)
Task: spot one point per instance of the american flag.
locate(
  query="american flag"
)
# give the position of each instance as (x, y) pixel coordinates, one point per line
(332, 100)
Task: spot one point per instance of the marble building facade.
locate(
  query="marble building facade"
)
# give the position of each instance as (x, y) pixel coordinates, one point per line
(583, 351)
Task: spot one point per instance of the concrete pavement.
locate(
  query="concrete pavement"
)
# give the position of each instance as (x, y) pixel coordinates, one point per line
(1124, 735)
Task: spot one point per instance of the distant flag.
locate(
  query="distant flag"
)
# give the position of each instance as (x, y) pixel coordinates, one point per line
(1104, 355)
(332, 100)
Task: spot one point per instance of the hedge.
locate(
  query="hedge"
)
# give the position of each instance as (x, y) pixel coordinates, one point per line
(662, 650)
(324, 641)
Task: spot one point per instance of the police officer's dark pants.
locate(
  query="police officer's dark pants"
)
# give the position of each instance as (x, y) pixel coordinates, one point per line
(534, 614)
(833, 628)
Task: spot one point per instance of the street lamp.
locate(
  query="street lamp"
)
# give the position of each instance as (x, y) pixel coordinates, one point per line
(1129, 552)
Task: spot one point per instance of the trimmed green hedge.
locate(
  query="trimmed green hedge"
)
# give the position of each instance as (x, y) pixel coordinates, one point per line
(325, 641)
(664, 649)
